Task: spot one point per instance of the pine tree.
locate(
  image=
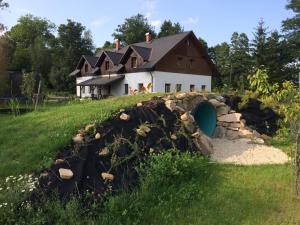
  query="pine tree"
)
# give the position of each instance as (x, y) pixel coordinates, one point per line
(259, 44)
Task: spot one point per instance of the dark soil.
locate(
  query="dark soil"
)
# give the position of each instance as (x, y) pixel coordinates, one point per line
(126, 151)
(263, 120)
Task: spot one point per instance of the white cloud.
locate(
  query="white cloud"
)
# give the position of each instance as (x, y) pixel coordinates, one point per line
(155, 23)
(191, 20)
(149, 6)
(101, 21)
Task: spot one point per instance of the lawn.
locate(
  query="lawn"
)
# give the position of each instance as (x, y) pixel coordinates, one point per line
(30, 141)
(199, 192)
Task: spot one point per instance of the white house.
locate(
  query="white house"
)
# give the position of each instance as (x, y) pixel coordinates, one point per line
(169, 64)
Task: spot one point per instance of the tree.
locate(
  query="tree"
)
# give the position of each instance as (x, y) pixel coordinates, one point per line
(3, 5)
(240, 60)
(5, 44)
(106, 45)
(291, 28)
(220, 55)
(133, 30)
(29, 28)
(32, 37)
(73, 41)
(203, 43)
(259, 44)
(167, 28)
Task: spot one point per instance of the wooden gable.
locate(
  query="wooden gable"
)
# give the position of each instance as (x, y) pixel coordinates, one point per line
(187, 57)
(127, 61)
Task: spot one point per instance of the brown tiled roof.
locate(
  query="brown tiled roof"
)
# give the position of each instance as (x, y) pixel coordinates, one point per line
(151, 52)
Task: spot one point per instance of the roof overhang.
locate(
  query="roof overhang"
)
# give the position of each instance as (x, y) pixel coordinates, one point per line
(101, 81)
(74, 73)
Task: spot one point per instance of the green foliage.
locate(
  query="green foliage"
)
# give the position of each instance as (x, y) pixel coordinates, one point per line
(133, 30)
(168, 28)
(259, 83)
(14, 106)
(28, 85)
(73, 41)
(106, 45)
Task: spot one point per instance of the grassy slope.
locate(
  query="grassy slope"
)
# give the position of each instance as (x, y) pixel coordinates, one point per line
(233, 195)
(243, 195)
(30, 141)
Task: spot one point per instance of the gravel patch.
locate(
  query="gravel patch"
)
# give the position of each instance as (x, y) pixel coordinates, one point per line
(243, 152)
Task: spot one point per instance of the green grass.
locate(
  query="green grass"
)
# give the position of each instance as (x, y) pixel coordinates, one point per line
(30, 141)
(181, 190)
(185, 190)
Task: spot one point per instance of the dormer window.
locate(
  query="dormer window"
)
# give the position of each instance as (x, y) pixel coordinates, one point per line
(106, 65)
(86, 68)
(133, 62)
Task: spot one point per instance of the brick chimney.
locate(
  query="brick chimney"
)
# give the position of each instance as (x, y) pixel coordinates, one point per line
(148, 37)
(118, 45)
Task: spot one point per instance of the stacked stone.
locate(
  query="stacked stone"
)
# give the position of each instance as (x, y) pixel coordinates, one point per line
(229, 123)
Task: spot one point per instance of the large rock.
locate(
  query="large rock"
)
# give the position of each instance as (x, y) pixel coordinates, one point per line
(171, 105)
(235, 125)
(216, 103)
(222, 110)
(124, 116)
(243, 133)
(190, 102)
(230, 118)
(203, 143)
(220, 98)
(181, 96)
(107, 176)
(65, 174)
(190, 126)
(220, 132)
(78, 138)
(232, 134)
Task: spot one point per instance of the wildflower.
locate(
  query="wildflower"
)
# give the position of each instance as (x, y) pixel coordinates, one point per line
(0, 205)
(1, 188)
(5, 203)
(23, 191)
(31, 189)
(7, 188)
(6, 179)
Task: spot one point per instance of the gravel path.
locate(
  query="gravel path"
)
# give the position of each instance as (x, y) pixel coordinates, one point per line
(242, 152)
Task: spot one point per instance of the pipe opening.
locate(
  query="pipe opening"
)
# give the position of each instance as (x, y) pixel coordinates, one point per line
(206, 118)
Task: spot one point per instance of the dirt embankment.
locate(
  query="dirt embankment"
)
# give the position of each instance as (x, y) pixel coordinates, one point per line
(109, 161)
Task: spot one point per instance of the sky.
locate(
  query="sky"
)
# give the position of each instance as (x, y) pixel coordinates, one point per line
(212, 20)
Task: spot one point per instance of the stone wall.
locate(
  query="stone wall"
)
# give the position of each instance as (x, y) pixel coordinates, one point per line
(229, 123)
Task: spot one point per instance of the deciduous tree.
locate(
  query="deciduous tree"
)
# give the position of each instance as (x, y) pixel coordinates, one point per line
(133, 30)
(168, 28)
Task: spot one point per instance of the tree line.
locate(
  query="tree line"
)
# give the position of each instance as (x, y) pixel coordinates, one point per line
(39, 46)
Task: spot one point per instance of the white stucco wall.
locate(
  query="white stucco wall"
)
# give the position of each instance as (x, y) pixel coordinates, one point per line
(159, 81)
(79, 80)
(132, 79)
(161, 78)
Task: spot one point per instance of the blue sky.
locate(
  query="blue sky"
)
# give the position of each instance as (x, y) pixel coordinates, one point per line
(213, 20)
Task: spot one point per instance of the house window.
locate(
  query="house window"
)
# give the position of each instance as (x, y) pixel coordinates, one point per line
(106, 65)
(83, 90)
(179, 61)
(191, 63)
(167, 88)
(140, 87)
(133, 62)
(203, 87)
(86, 67)
(126, 89)
(88, 89)
(178, 87)
(192, 87)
